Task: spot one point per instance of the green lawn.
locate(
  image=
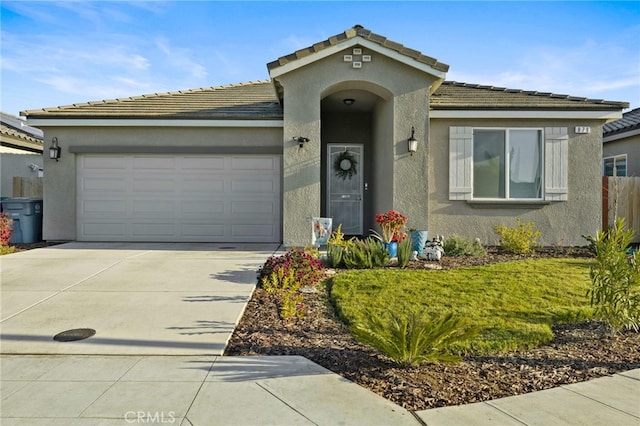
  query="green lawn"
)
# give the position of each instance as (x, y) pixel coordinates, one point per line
(513, 303)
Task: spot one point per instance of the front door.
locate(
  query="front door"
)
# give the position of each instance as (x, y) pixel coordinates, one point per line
(344, 187)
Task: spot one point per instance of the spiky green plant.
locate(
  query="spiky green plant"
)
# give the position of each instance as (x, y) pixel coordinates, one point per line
(405, 247)
(413, 339)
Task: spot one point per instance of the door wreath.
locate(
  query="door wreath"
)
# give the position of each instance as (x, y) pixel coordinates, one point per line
(345, 165)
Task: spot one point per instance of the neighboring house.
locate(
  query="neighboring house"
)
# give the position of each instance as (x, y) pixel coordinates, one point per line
(621, 145)
(20, 152)
(326, 135)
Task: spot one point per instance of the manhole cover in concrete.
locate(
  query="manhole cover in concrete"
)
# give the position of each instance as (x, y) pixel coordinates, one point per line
(75, 334)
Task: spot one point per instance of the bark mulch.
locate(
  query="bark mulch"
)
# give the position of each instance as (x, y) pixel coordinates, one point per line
(578, 352)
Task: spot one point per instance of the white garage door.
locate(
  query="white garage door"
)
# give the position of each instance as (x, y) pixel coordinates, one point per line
(218, 198)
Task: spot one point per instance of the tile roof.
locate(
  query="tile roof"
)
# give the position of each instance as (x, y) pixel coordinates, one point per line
(15, 133)
(244, 101)
(258, 101)
(630, 121)
(452, 95)
(359, 31)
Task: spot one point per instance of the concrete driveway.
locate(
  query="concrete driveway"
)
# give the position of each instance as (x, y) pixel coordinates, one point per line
(141, 298)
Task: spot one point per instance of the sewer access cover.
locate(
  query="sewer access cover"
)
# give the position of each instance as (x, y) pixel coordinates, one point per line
(73, 335)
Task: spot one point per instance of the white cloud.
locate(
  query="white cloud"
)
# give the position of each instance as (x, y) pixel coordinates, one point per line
(579, 71)
(181, 59)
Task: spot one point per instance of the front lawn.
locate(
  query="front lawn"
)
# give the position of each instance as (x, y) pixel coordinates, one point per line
(513, 303)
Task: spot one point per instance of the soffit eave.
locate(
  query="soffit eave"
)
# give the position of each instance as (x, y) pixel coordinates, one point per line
(105, 122)
(608, 116)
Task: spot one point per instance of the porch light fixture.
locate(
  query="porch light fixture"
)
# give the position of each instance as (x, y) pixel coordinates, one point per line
(301, 140)
(412, 141)
(349, 101)
(54, 149)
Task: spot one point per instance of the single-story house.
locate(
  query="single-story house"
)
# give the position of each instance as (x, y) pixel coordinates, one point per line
(327, 135)
(20, 152)
(621, 146)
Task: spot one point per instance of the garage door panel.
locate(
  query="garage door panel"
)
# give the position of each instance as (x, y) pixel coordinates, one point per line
(199, 208)
(153, 162)
(252, 163)
(252, 186)
(205, 164)
(150, 184)
(104, 162)
(178, 198)
(154, 207)
(108, 231)
(212, 185)
(104, 206)
(103, 183)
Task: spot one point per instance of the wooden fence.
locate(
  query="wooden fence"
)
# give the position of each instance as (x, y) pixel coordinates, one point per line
(621, 198)
(27, 186)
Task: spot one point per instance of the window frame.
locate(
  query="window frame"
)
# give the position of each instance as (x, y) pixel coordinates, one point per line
(542, 162)
(616, 157)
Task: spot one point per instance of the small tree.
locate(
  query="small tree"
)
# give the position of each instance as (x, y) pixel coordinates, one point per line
(615, 278)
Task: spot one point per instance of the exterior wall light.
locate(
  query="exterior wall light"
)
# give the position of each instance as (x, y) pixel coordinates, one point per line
(349, 101)
(301, 140)
(412, 142)
(54, 149)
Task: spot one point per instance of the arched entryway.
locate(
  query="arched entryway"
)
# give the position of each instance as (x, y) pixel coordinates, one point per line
(357, 154)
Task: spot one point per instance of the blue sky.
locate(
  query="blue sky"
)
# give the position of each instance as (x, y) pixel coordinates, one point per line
(62, 52)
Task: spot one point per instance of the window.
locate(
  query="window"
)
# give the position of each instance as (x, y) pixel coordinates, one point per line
(615, 166)
(507, 164)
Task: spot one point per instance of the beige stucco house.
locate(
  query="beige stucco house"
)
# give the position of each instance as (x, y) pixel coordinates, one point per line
(326, 136)
(20, 152)
(621, 146)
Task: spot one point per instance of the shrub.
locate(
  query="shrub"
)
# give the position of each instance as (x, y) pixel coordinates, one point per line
(519, 239)
(615, 278)
(286, 288)
(6, 229)
(305, 264)
(413, 339)
(365, 254)
(405, 247)
(460, 246)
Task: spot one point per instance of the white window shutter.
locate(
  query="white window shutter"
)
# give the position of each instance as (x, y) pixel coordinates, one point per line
(556, 167)
(460, 163)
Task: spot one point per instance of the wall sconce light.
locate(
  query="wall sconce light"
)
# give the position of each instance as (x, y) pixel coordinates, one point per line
(301, 140)
(54, 150)
(412, 142)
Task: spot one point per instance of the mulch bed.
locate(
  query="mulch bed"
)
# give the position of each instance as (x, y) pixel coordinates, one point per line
(577, 353)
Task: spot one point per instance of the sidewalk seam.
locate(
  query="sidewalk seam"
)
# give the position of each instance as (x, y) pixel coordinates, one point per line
(599, 402)
(284, 402)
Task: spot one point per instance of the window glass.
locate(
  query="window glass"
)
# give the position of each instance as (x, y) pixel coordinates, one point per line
(488, 164)
(620, 164)
(525, 167)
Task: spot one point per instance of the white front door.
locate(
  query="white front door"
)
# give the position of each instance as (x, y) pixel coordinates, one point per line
(344, 186)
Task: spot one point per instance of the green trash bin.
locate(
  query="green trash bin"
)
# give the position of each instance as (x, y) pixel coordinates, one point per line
(26, 214)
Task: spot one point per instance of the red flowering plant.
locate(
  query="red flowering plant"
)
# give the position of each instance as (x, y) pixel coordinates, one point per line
(6, 230)
(391, 224)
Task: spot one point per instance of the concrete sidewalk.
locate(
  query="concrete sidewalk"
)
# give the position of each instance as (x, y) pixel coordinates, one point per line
(181, 390)
(163, 314)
